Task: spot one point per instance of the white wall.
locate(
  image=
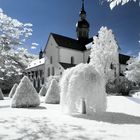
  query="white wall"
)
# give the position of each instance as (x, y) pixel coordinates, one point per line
(66, 54)
(51, 51)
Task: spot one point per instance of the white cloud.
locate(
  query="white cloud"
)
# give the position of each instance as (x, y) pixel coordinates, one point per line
(35, 44)
(139, 41)
(33, 47)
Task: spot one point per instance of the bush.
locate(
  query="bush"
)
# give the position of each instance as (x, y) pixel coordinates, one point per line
(43, 91)
(53, 93)
(1, 95)
(12, 92)
(25, 95)
(124, 86)
(82, 82)
(120, 86)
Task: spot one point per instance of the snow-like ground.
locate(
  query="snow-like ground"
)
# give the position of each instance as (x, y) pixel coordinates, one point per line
(121, 121)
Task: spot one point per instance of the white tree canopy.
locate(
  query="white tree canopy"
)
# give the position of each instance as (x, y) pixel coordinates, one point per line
(25, 95)
(104, 52)
(13, 56)
(114, 3)
(133, 69)
(12, 31)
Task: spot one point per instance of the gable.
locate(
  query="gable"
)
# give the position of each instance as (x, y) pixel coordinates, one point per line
(70, 43)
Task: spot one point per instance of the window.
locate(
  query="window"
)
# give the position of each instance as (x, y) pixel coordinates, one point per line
(36, 74)
(38, 83)
(51, 60)
(53, 71)
(48, 71)
(32, 74)
(41, 72)
(42, 81)
(72, 60)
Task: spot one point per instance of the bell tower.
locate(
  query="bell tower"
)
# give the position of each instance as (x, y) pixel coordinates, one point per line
(82, 26)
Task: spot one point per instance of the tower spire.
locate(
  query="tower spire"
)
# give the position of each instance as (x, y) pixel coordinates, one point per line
(82, 26)
(82, 4)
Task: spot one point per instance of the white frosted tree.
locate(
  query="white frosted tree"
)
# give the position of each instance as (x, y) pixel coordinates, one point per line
(25, 95)
(82, 84)
(114, 3)
(43, 91)
(12, 31)
(104, 54)
(1, 95)
(12, 92)
(133, 69)
(14, 58)
(53, 93)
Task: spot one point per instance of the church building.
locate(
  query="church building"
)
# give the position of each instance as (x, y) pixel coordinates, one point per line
(62, 52)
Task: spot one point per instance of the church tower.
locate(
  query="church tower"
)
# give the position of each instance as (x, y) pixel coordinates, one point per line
(82, 26)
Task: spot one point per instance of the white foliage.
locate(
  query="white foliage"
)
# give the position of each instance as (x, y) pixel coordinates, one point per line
(25, 95)
(14, 58)
(114, 3)
(13, 62)
(53, 93)
(12, 31)
(133, 69)
(12, 92)
(82, 82)
(104, 53)
(43, 91)
(1, 95)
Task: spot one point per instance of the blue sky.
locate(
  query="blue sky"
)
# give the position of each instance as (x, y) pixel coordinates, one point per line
(60, 16)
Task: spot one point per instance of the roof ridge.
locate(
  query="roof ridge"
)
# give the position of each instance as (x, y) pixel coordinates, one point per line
(63, 36)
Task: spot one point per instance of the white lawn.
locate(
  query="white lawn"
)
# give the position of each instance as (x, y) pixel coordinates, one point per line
(121, 121)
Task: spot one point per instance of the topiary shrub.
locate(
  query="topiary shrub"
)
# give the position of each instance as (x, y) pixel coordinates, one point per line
(53, 93)
(25, 95)
(1, 95)
(12, 92)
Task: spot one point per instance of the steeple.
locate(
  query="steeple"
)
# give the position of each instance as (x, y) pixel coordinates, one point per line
(83, 13)
(82, 4)
(40, 54)
(82, 26)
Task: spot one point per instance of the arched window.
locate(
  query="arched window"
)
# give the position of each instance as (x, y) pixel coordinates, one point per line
(41, 73)
(38, 83)
(72, 60)
(51, 60)
(53, 72)
(48, 72)
(42, 81)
